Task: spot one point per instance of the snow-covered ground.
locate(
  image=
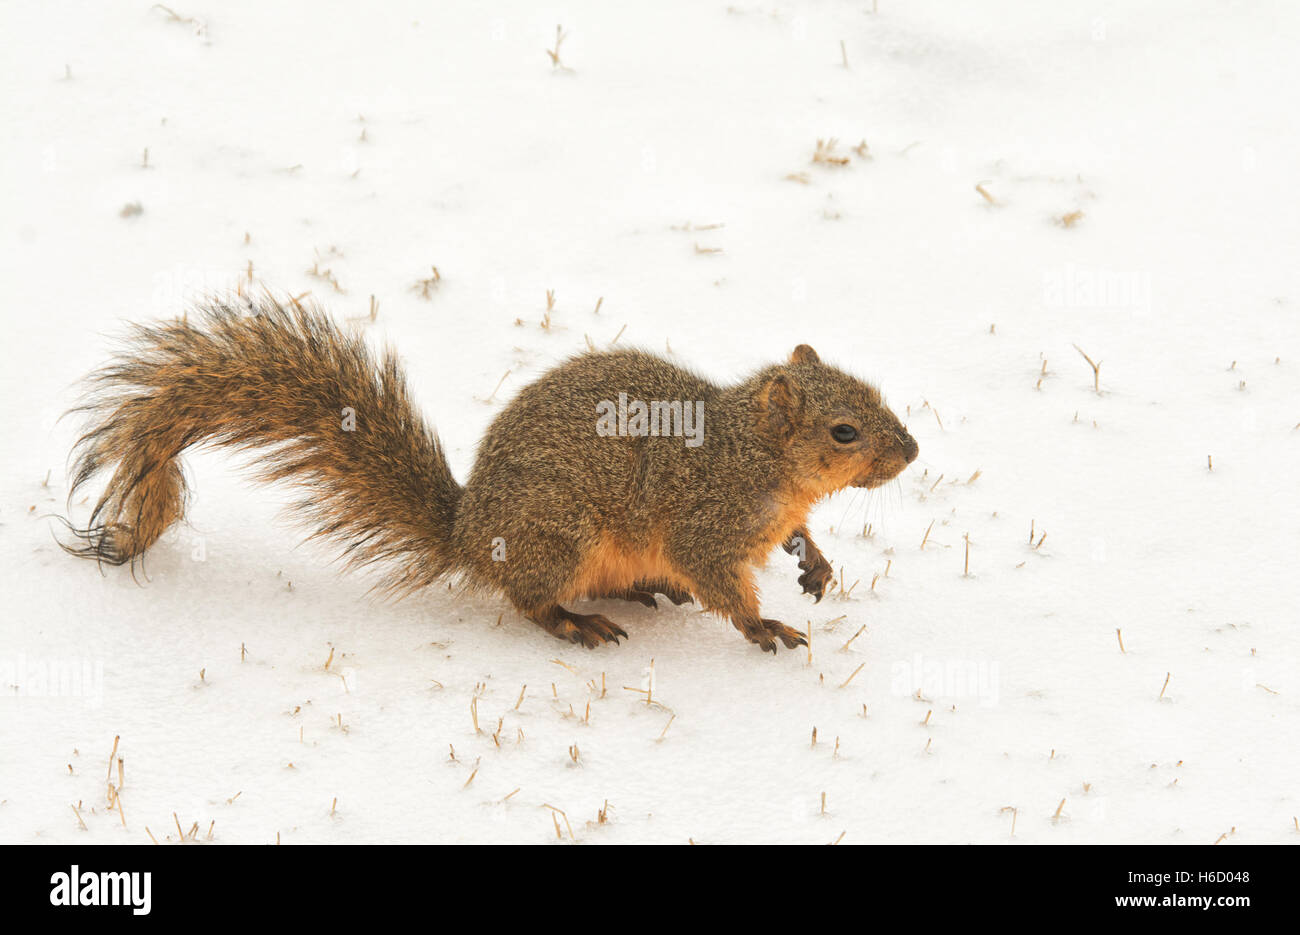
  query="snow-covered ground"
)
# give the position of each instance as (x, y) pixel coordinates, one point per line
(1137, 194)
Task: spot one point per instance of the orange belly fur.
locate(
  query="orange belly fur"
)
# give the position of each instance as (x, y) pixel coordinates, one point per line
(612, 566)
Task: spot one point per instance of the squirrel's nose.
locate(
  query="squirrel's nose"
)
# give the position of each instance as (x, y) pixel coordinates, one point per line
(910, 449)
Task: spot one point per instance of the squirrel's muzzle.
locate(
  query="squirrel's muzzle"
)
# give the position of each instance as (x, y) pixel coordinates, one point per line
(889, 464)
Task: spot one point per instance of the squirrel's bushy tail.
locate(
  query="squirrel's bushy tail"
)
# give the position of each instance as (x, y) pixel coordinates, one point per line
(327, 414)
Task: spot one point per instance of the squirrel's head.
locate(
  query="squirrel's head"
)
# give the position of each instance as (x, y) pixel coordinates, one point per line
(834, 427)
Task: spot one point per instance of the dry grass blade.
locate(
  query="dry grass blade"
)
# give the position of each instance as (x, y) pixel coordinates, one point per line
(825, 154)
(1096, 369)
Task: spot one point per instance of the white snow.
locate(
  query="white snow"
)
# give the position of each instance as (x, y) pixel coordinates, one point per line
(1169, 125)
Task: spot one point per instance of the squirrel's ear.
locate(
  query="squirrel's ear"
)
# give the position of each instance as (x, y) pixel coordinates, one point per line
(780, 403)
(803, 354)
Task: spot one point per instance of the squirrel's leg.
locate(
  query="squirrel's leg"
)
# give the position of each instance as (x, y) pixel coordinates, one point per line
(535, 586)
(588, 629)
(729, 590)
(817, 572)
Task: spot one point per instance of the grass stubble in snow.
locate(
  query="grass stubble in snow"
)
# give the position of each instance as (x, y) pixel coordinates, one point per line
(1072, 620)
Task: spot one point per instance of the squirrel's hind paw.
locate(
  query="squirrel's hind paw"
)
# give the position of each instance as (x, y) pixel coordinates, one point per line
(591, 630)
(632, 594)
(643, 592)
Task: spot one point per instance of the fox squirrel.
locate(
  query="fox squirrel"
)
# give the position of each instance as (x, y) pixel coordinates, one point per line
(554, 510)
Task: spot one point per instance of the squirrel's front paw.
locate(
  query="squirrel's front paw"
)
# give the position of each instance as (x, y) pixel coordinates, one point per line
(787, 635)
(816, 576)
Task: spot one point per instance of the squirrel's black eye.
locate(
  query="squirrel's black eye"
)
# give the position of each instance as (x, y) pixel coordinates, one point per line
(844, 434)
